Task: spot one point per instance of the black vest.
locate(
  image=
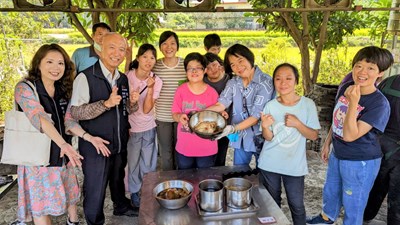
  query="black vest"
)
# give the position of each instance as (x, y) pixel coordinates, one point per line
(113, 124)
(57, 107)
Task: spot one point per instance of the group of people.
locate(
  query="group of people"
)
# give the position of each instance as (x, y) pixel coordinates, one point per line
(128, 119)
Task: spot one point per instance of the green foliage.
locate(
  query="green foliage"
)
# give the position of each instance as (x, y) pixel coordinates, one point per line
(334, 66)
(180, 21)
(16, 27)
(378, 21)
(138, 26)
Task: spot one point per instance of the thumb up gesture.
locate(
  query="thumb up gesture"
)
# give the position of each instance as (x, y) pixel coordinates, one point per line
(114, 98)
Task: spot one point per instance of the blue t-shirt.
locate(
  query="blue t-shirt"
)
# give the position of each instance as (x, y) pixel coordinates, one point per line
(373, 109)
(84, 58)
(286, 152)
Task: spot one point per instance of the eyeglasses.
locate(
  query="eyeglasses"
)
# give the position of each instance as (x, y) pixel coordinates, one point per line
(197, 69)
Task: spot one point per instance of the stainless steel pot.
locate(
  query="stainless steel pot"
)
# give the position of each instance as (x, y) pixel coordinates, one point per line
(207, 116)
(238, 192)
(211, 194)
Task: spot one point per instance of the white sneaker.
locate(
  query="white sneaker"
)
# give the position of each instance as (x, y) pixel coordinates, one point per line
(17, 222)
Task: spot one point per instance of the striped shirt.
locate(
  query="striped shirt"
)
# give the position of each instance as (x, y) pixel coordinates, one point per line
(171, 77)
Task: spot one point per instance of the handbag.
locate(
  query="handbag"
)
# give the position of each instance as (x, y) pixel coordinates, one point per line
(23, 143)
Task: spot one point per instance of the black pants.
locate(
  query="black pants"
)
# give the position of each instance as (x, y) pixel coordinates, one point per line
(98, 172)
(223, 145)
(294, 187)
(387, 182)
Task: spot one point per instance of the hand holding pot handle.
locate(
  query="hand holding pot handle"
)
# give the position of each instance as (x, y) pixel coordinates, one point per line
(227, 130)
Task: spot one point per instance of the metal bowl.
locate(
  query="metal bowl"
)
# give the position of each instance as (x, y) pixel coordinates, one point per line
(207, 116)
(173, 203)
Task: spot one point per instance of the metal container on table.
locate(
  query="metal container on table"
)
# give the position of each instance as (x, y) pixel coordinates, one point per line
(211, 194)
(171, 184)
(238, 192)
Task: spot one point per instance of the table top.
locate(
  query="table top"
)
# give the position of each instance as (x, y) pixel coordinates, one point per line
(152, 213)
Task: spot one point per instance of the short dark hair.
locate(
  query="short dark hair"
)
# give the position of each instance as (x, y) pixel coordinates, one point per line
(212, 40)
(211, 57)
(102, 25)
(294, 69)
(195, 56)
(383, 58)
(167, 34)
(142, 49)
(237, 50)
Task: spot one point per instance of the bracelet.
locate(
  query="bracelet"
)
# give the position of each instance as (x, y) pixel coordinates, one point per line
(83, 135)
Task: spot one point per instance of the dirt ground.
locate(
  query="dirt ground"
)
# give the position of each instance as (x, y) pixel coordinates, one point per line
(313, 192)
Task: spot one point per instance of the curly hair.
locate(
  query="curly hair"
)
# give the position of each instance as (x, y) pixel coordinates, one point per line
(66, 81)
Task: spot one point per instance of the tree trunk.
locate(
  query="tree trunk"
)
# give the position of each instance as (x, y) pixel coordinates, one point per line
(305, 68)
(320, 46)
(78, 25)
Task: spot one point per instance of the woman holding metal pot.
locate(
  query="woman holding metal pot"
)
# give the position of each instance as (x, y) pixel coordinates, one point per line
(247, 92)
(193, 151)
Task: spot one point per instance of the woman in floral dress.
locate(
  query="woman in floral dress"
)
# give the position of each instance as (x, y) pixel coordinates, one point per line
(52, 190)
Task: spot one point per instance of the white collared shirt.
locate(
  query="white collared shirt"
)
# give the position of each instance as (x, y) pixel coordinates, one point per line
(80, 93)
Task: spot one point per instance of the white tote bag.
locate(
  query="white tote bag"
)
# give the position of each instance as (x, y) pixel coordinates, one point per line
(23, 143)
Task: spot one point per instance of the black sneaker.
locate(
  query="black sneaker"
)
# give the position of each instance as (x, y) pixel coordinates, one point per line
(128, 211)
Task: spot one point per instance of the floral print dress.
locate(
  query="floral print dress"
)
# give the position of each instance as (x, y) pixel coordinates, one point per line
(42, 190)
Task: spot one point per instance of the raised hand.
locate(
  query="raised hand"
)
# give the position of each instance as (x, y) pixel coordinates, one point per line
(134, 95)
(266, 120)
(150, 82)
(291, 120)
(353, 93)
(114, 98)
(73, 156)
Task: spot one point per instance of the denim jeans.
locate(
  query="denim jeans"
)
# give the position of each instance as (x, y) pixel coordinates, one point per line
(348, 184)
(187, 162)
(241, 157)
(294, 187)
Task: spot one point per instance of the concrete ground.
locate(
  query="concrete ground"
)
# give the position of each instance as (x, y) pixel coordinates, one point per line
(313, 192)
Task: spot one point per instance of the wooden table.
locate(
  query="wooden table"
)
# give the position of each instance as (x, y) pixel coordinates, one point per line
(152, 213)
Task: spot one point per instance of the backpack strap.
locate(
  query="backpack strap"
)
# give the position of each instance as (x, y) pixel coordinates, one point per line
(388, 90)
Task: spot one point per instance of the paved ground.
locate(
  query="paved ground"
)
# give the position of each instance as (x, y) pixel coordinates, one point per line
(313, 192)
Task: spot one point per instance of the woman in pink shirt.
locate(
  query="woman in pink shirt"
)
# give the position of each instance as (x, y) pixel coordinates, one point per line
(193, 151)
(142, 147)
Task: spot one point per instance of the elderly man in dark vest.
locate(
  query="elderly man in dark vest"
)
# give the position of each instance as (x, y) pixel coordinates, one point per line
(101, 103)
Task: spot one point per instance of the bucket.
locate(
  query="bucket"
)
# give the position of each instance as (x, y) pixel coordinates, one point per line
(211, 195)
(238, 192)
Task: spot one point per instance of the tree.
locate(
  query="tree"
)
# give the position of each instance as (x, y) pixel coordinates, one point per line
(15, 27)
(378, 21)
(309, 30)
(180, 21)
(138, 26)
